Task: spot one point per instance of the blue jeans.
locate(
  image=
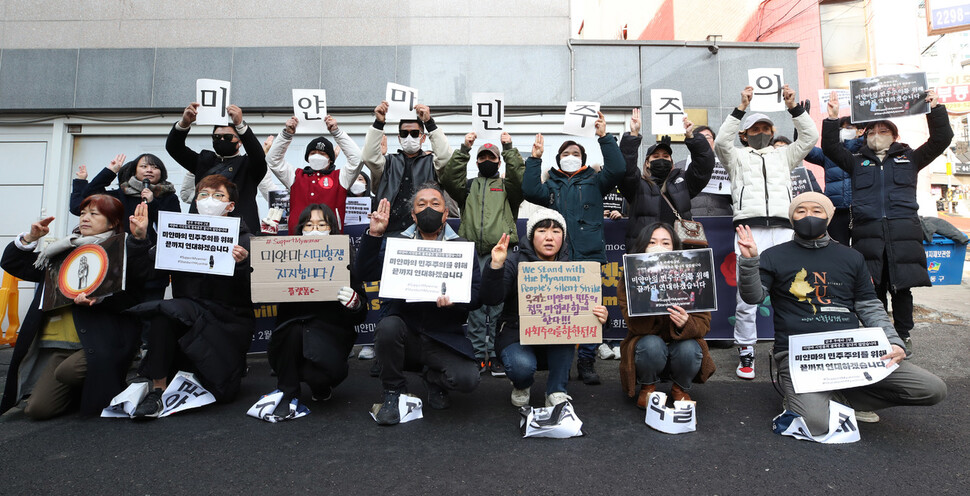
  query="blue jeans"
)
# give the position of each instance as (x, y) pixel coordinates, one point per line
(521, 363)
(681, 360)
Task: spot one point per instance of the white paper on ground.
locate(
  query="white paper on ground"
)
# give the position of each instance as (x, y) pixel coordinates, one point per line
(123, 405)
(557, 422)
(408, 406)
(184, 393)
(843, 427)
(677, 420)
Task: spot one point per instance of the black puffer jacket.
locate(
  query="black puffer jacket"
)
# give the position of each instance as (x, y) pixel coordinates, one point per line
(217, 309)
(646, 205)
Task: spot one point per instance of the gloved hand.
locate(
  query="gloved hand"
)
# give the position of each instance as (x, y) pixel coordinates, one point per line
(348, 298)
(271, 223)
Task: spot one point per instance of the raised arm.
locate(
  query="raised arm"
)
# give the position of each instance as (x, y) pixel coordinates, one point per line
(439, 142)
(348, 175)
(533, 189)
(371, 154)
(701, 161)
(807, 132)
(256, 167)
(831, 142)
(630, 148)
(453, 177)
(724, 142)
(175, 143)
(514, 172)
(276, 158)
(941, 134)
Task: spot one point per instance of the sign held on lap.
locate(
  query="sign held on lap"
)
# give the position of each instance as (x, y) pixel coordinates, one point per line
(299, 268)
(826, 361)
(418, 270)
(556, 301)
(656, 281)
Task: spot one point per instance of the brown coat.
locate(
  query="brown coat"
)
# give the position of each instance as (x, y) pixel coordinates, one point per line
(697, 326)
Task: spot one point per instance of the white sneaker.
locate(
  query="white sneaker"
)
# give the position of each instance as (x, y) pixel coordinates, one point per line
(867, 417)
(746, 366)
(366, 353)
(616, 352)
(520, 397)
(557, 398)
(604, 352)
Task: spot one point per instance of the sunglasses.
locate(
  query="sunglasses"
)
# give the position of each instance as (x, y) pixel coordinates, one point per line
(404, 133)
(223, 137)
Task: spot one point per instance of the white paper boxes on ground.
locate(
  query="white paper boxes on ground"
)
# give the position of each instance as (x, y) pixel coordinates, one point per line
(183, 393)
(677, 420)
(558, 422)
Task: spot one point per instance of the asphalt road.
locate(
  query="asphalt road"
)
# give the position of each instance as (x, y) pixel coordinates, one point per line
(475, 447)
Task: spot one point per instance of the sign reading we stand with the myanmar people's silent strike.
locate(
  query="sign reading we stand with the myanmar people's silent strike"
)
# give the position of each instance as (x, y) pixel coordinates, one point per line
(556, 301)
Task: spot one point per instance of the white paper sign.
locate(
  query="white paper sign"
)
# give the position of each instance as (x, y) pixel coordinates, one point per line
(823, 99)
(183, 393)
(357, 209)
(767, 84)
(826, 361)
(408, 407)
(843, 427)
(417, 270)
(400, 103)
(265, 406)
(720, 183)
(213, 98)
(557, 422)
(666, 112)
(310, 107)
(488, 115)
(196, 243)
(123, 405)
(580, 119)
(677, 420)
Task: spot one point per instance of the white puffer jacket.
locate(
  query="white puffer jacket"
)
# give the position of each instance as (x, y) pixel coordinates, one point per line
(761, 179)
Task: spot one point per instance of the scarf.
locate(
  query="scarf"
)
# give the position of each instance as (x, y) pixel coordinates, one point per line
(133, 188)
(66, 244)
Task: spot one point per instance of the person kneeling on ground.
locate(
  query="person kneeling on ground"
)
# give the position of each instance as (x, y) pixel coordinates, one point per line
(423, 337)
(80, 351)
(849, 300)
(207, 327)
(663, 346)
(313, 339)
(546, 232)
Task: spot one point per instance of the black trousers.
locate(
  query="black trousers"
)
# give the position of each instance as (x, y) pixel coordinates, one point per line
(328, 366)
(839, 227)
(164, 358)
(902, 303)
(399, 348)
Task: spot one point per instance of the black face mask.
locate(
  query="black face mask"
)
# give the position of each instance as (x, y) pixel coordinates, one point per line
(488, 168)
(224, 148)
(429, 220)
(809, 227)
(759, 141)
(660, 168)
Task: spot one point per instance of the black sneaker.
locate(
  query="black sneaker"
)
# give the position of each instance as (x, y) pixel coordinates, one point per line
(151, 406)
(375, 370)
(283, 409)
(496, 367)
(482, 366)
(587, 372)
(438, 398)
(322, 395)
(389, 413)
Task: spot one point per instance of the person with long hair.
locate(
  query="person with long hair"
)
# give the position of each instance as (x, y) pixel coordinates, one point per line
(660, 347)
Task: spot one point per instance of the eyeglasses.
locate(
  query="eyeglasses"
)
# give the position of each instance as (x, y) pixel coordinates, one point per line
(880, 131)
(223, 137)
(404, 133)
(217, 196)
(320, 226)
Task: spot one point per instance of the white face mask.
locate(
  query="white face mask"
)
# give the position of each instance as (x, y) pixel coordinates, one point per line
(211, 206)
(847, 134)
(316, 233)
(657, 249)
(570, 163)
(318, 162)
(410, 145)
(357, 188)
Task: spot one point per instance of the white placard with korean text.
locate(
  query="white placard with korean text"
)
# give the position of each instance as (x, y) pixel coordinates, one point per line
(196, 243)
(418, 270)
(488, 115)
(310, 107)
(400, 103)
(213, 98)
(768, 84)
(356, 210)
(666, 112)
(580, 119)
(827, 361)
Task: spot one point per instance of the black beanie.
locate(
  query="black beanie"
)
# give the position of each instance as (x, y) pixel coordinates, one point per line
(322, 144)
